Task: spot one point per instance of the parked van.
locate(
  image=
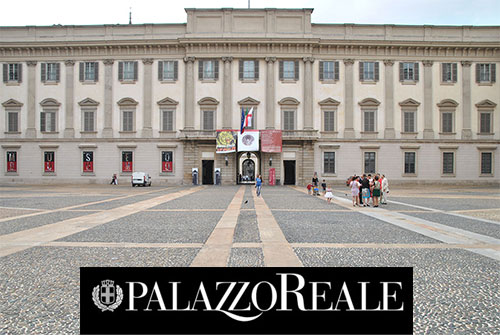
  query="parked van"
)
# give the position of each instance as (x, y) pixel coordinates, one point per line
(141, 178)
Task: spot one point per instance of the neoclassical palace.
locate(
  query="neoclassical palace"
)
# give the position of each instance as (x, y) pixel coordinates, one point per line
(416, 103)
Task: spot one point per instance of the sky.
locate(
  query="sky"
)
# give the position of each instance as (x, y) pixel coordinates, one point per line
(88, 12)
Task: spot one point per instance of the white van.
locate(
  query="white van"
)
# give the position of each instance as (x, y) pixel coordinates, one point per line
(141, 178)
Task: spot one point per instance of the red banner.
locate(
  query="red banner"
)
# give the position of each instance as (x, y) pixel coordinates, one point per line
(49, 158)
(166, 161)
(11, 161)
(127, 161)
(88, 161)
(271, 140)
(272, 176)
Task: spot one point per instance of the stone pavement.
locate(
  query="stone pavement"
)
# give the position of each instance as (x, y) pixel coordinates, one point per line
(451, 237)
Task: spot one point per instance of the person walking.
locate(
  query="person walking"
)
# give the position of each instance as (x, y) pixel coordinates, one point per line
(328, 194)
(355, 191)
(258, 184)
(385, 190)
(376, 191)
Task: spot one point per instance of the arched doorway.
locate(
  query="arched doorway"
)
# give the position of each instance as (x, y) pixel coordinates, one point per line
(248, 170)
(248, 167)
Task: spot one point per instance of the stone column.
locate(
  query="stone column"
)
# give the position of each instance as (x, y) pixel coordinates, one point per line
(147, 129)
(308, 94)
(108, 98)
(428, 102)
(466, 100)
(69, 127)
(349, 99)
(227, 96)
(189, 94)
(270, 93)
(31, 106)
(389, 132)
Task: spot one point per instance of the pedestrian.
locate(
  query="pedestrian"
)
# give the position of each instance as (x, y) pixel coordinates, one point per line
(385, 190)
(376, 191)
(258, 184)
(365, 191)
(309, 188)
(355, 191)
(114, 180)
(323, 186)
(328, 194)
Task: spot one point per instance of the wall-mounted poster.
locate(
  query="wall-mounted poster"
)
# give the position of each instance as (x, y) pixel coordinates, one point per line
(127, 161)
(167, 161)
(248, 141)
(88, 161)
(225, 141)
(271, 140)
(49, 158)
(11, 161)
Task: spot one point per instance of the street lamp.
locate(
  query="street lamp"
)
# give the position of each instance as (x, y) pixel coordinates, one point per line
(270, 161)
(227, 160)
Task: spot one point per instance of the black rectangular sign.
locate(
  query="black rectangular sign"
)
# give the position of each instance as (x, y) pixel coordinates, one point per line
(246, 300)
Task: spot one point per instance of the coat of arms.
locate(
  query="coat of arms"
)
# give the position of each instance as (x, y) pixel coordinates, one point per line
(108, 296)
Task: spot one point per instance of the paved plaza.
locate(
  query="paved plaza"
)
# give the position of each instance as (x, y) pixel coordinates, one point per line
(450, 236)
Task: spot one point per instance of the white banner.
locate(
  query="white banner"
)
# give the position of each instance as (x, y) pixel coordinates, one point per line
(248, 141)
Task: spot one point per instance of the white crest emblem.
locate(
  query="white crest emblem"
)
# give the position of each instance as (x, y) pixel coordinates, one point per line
(107, 297)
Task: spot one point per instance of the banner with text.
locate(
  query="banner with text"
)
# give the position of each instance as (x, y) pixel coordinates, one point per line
(271, 140)
(248, 141)
(225, 141)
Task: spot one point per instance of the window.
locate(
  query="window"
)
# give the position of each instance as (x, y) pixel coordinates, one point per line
(449, 72)
(48, 120)
(408, 71)
(485, 73)
(485, 122)
(88, 120)
(127, 120)
(248, 69)
(12, 121)
(89, 71)
(329, 162)
(486, 163)
(448, 163)
(289, 70)
(329, 120)
(167, 121)
(50, 72)
(127, 71)
(208, 70)
(447, 122)
(328, 70)
(12, 72)
(368, 71)
(369, 162)
(409, 121)
(168, 70)
(252, 123)
(410, 162)
(288, 120)
(11, 161)
(208, 120)
(369, 120)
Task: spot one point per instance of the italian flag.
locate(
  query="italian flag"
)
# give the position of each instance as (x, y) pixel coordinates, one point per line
(246, 119)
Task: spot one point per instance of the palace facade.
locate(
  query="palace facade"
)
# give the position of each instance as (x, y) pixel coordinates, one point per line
(417, 103)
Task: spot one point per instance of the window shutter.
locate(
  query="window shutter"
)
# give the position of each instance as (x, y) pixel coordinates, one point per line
(43, 72)
(320, 70)
(42, 121)
(401, 71)
(415, 72)
(58, 71)
(216, 69)
(240, 69)
(478, 79)
(443, 72)
(493, 72)
(136, 69)
(53, 122)
(160, 70)
(200, 70)
(5, 73)
(120, 71)
(281, 70)
(96, 70)
(176, 70)
(20, 73)
(336, 70)
(454, 72)
(376, 71)
(256, 62)
(361, 73)
(296, 70)
(81, 71)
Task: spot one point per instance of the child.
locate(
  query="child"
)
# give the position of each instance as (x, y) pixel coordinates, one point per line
(328, 194)
(315, 190)
(323, 186)
(309, 189)
(366, 196)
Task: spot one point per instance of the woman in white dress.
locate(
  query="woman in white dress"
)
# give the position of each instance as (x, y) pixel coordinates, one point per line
(328, 194)
(355, 191)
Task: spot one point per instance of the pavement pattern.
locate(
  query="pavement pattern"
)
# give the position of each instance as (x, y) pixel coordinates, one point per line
(450, 237)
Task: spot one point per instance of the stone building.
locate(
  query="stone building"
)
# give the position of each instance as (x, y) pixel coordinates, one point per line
(418, 103)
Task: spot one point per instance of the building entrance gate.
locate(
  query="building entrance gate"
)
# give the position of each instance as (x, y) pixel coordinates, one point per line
(248, 167)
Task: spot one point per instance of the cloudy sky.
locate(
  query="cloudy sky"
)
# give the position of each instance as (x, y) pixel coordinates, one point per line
(69, 12)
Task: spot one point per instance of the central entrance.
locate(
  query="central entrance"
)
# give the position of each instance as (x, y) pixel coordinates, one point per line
(248, 167)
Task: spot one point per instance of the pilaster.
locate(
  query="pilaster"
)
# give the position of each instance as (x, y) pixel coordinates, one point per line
(69, 130)
(147, 130)
(349, 99)
(308, 94)
(227, 98)
(389, 132)
(189, 94)
(466, 100)
(270, 93)
(31, 105)
(428, 105)
(108, 98)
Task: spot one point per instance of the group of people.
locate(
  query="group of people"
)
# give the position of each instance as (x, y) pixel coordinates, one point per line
(366, 187)
(313, 188)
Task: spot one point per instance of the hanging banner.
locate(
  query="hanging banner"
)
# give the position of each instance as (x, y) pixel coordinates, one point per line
(248, 141)
(127, 161)
(271, 140)
(166, 161)
(88, 161)
(49, 159)
(11, 161)
(225, 141)
(272, 176)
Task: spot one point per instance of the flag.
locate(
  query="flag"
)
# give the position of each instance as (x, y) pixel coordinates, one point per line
(246, 119)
